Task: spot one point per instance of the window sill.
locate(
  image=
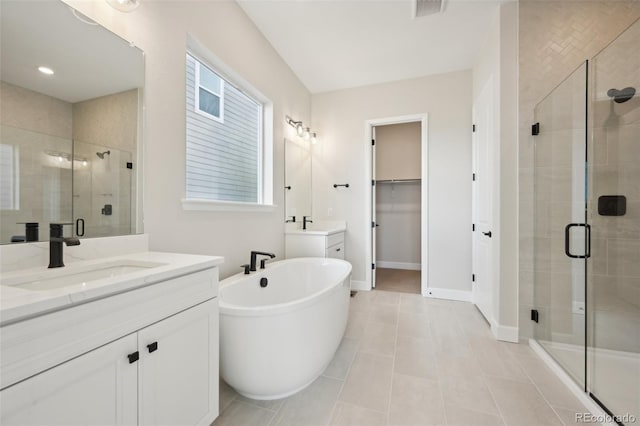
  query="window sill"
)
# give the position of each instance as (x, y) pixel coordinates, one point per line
(226, 206)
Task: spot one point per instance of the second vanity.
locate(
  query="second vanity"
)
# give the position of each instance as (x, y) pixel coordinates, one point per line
(120, 340)
(318, 240)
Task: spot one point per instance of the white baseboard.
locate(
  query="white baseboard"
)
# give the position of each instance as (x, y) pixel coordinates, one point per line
(445, 293)
(505, 333)
(398, 265)
(360, 285)
(575, 389)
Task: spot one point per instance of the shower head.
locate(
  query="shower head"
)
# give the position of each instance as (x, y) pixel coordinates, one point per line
(102, 154)
(621, 96)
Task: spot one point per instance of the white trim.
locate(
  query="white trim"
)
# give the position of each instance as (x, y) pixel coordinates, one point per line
(196, 90)
(265, 162)
(360, 285)
(398, 265)
(424, 219)
(504, 332)
(447, 294)
(228, 206)
(564, 377)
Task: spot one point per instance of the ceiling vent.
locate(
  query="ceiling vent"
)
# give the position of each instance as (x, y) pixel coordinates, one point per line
(422, 8)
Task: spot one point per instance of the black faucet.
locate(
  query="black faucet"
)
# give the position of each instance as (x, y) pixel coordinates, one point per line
(254, 254)
(304, 222)
(56, 239)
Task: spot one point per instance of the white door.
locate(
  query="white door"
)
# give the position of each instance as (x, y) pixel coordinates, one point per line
(373, 207)
(178, 373)
(97, 388)
(482, 213)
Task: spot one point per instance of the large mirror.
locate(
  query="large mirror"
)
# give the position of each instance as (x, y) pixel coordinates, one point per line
(297, 178)
(70, 124)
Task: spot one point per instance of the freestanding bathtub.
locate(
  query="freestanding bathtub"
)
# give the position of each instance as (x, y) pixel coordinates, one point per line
(276, 340)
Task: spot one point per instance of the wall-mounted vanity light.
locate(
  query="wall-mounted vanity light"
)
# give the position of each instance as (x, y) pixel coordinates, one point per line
(303, 132)
(296, 125)
(124, 5)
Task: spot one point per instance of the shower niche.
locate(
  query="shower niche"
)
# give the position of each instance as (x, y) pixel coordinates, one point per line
(587, 225)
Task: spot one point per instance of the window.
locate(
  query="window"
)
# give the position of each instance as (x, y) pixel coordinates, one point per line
(209, 92)
(225, 159)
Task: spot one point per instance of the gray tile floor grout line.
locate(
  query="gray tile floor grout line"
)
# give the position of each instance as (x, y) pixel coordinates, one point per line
(393, 366)
(483, 378)
(535, 385)
(344, 381)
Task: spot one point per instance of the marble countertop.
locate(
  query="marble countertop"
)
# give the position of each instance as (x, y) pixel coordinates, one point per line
(19, 303)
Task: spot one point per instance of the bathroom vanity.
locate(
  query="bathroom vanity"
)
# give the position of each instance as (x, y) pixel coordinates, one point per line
(122, 340)
(321, 240)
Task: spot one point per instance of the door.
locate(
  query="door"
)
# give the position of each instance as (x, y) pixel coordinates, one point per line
(482, 202)
(374, 224)
(560, 248)
(97, 388)
(178, 372)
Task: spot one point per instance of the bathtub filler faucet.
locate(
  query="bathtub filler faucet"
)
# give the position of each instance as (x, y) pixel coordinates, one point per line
(254, 254)
(56, 239)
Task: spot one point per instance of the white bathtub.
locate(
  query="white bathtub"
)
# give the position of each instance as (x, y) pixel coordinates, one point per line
(276, 340)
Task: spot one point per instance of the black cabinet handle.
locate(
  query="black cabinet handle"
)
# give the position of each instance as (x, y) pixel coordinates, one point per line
(338, 249)
(152, 347)
(133, 357)
(488, 234)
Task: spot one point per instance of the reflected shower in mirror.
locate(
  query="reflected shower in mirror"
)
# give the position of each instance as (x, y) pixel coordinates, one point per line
(69, 123)
(297, 178)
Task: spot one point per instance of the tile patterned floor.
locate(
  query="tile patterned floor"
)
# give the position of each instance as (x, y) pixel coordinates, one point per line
(411, 361)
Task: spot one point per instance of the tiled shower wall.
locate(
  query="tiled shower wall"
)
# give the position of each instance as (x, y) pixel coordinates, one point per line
(35, 124)
(100, 124)
(614, 278)
(555, 37)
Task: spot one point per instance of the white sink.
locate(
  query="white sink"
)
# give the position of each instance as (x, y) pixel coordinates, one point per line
(64, 277)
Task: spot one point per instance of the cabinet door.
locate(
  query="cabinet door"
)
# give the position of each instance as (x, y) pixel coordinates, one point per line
(336, 252)
(178, 372)
(97, 388)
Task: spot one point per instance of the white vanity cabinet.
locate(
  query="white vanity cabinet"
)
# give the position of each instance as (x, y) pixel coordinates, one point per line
(314, 244)
(99, 387)
(148, 356)
(178, 368)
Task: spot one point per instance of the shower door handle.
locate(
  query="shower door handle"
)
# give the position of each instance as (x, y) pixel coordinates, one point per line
(567, 239)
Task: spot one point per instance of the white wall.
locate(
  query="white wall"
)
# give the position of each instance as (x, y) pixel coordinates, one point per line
(160, 29)
(497, 60)
(398, 212)
(341, 153)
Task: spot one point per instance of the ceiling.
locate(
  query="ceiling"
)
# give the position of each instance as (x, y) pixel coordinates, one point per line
(337, 44)
(88, 60)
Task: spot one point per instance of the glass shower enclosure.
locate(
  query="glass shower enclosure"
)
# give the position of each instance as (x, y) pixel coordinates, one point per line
(587, 225)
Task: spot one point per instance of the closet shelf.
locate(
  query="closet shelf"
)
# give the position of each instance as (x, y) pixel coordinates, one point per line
(399, 181)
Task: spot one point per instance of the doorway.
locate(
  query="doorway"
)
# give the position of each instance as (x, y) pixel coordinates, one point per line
(397, 174)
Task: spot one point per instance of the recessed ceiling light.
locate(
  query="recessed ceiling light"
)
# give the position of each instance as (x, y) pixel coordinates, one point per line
(45, 70)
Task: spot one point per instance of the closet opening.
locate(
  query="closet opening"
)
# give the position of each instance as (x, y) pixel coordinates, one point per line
(398, 204)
